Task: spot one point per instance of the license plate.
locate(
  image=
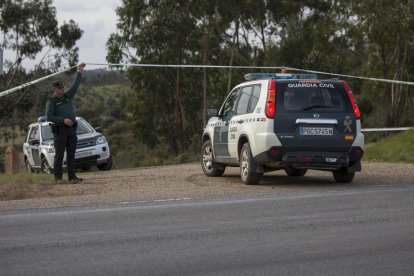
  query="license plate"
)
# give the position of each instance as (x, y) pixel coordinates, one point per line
(324, 131)
(83, 154)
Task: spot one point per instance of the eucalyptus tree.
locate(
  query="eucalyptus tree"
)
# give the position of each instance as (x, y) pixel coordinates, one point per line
(29, 28)
(166, 99)
(387, 29)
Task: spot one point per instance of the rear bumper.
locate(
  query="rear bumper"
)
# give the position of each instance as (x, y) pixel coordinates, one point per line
(307, 158)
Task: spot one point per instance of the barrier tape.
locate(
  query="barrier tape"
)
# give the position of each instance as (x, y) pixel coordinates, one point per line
(386, 129)
(186, 66)
(9, 91)
(250, 67)
(351, 76)
(14, 89)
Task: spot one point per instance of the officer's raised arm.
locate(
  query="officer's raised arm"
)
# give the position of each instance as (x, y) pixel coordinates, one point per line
(76, 82)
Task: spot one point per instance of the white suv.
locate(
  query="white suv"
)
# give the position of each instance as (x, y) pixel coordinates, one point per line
(92, 148)
(284, 121)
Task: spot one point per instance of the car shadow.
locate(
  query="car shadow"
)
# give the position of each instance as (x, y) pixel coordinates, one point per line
(280, 179)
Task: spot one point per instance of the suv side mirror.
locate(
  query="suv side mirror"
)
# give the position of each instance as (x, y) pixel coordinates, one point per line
(34, 142)
(212, 112)
(98, 129)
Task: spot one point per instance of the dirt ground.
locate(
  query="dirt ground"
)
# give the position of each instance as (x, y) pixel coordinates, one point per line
(187, 181)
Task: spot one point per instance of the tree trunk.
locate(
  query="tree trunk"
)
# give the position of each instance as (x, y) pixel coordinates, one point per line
(179, 114)
(235, 38)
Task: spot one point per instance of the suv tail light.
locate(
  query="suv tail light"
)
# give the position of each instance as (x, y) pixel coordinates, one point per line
(271, 99)
(353, 101)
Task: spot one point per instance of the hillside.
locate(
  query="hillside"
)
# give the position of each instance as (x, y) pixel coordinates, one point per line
(395, 148)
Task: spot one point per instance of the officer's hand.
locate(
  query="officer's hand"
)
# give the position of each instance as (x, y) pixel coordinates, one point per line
(68, 122)
(81, 66)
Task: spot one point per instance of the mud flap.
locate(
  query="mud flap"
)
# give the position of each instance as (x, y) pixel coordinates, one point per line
(256, 167)
(355, 167)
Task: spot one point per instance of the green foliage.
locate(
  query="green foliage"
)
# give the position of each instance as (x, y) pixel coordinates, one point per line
(386, 28)
(395, 148)
(23, 185)
(350, 37)
(28, 27)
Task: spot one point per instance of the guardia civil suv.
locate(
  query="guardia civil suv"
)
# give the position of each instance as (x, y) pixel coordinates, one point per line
(292, 122)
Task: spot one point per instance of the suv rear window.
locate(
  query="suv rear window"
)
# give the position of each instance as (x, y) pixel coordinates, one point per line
(312, 96)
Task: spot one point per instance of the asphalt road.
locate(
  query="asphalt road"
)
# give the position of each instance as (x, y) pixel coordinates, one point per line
(357, 230)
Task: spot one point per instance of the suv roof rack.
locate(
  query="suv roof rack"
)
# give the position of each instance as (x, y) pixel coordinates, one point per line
(277, 76)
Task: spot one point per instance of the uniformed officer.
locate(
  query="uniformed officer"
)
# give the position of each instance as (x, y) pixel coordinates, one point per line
(60, 111)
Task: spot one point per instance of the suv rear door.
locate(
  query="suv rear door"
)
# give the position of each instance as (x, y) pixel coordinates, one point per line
(314, 115)
(233, 114)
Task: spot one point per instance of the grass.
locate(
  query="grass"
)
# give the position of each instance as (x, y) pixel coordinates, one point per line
(24, 185)
(396, 148)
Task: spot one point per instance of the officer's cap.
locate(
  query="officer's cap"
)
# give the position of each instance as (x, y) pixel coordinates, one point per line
(57, 84)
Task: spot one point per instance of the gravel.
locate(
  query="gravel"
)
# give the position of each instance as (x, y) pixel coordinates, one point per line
(187, 182)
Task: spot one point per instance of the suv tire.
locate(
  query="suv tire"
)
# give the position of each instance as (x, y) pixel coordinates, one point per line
(247, 165)
(343, 176)
(106, 166)
(295, 172)
(45, 167)
(207, 161)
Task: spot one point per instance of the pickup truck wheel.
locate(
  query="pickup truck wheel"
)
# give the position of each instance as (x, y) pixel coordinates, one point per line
(210, 168)
(45, 166)
(343, 176)
(29, 168)
(248, 176)
(295, 172)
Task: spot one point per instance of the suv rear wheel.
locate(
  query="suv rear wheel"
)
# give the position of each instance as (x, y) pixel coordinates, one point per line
(343, 176)
(207, 161)
(247, 165)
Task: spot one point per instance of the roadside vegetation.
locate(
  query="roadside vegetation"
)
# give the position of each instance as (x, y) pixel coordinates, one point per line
(395, 148)
(24, 185)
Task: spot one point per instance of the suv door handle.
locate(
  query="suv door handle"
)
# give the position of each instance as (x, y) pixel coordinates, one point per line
(240, 121)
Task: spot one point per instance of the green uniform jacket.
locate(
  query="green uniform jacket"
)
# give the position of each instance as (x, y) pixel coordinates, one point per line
(60, 108)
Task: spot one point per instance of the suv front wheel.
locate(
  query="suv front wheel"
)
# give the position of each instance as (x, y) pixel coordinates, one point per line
(45, 166)
(247, 165)
(207, 161)
(29, 168)
(106, 166)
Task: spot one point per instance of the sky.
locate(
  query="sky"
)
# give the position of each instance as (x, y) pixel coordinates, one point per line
(97, 18)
